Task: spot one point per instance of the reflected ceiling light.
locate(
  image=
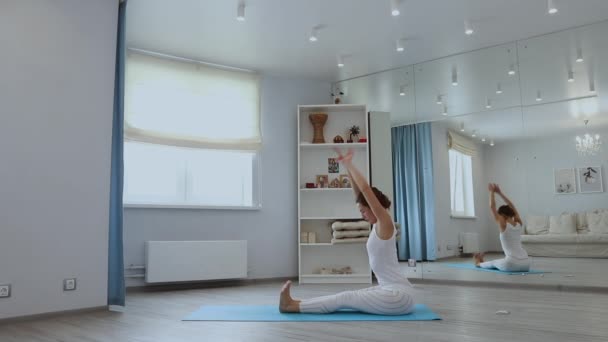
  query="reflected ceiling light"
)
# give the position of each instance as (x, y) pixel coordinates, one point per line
(395, 8)
(570, 76)
(314, 34)
(579, 55)
(399, 45)
(498, 88)
(588, 145)
(439, 100)
(488, 104)
(551, 8)
(462, 127)
(340, 62)
(492, 143)
(402, 90)
(512, 70)
(445, 110)
(468, 28)
(454, 76)
(538, 96)
(240, 12)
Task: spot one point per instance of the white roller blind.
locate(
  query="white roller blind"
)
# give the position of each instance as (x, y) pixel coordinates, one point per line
(186, 104)
(461, 144)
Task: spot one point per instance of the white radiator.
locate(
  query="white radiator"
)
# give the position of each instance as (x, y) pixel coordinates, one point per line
(469, 242)
(173, 261)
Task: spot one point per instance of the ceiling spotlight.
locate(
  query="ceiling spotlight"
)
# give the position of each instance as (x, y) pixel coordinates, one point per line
(579, 55)
(395, 8)
(240, 13)
(483, 139)
(512, 70)
(498, 88)
(492, 143)
(340, 62)
(314, 35)
(474, 134)
(439, 100)
(570, 76)
(538, 96)
(468, 28)
(488, 104)
(445, 110)
(551, 7)
(454, 76)
(402, 90)
(462, 127)
(399, 45)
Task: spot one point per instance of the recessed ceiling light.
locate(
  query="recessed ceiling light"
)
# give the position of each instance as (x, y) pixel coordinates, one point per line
(512, 70)
(551, 8)
(483, 139)
(340, 62)
(240, 13)
(468, 28)
(498, 88)
(314, 35)
(488, 104)
(474, 134)
(579, 55)
(445, 110)
(492, 143)
(570, 76)
(395, 8)
(462, 127)
(538, 96)
(454, 76)
(439, 101)
(399, 45)
(402, 90)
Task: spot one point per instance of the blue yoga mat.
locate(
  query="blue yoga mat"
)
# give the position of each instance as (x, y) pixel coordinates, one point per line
(473, 267)
(270, 313)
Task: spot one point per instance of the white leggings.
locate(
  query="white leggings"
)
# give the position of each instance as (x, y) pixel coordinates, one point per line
(392, 299)
(508, 265)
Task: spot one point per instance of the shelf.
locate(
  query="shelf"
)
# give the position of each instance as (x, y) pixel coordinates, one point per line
(317, 244)
(326, 145)
(326, 189)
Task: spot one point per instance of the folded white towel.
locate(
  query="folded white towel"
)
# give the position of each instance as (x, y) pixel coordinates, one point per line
(349, 240)
(340, 234)
(338, 225)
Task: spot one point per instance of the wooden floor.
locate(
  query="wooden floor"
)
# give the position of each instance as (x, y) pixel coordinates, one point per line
(469, 314)
(570, 272)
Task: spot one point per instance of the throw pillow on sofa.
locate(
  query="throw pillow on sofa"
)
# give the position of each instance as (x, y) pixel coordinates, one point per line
(537, 225)
(562, 224)
(598, 222)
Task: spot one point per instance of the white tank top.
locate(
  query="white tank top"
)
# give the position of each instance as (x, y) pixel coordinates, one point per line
(383, 260)
(510, 240)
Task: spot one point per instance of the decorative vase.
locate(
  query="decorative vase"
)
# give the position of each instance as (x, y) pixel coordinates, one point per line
(318, 120)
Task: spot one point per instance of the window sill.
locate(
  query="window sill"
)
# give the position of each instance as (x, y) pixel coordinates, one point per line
(185, 206)
(463, 217)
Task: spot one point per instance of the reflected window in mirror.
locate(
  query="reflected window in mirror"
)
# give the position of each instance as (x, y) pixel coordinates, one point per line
(461, 184)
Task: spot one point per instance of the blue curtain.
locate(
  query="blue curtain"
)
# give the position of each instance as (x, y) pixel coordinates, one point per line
(413, 190)
(116, 278)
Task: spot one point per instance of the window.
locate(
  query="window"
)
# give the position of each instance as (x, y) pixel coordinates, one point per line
(192, 134)
(461, 184)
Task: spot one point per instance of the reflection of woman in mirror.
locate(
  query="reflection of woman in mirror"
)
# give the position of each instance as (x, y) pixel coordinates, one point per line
(510, 225)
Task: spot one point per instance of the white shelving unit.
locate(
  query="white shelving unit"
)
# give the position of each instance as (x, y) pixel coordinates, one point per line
(318, 208)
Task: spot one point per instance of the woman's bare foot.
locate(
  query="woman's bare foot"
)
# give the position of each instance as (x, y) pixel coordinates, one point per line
(286, 303)
(478, 257)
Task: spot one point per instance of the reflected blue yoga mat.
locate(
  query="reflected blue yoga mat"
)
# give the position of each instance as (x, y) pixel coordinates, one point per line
(475, 268)
(270, 313)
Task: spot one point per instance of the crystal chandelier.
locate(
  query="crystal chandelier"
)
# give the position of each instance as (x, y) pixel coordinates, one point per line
(588, 145)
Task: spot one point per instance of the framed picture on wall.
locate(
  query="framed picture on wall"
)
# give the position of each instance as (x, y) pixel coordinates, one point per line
(564, 181)
(590, 179)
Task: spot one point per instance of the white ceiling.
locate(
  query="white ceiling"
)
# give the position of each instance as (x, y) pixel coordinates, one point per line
(274, 37)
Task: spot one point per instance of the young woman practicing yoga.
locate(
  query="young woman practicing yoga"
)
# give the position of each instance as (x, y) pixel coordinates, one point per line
(393, 294)
(516, 258)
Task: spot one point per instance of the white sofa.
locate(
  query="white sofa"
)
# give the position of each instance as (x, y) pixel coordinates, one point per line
(582, 235)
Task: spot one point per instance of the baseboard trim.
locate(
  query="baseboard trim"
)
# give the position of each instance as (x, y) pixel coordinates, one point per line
(205, 284)
(54, 314)
(543, 287)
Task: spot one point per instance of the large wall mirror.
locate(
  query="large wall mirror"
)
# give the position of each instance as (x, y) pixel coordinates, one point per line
(531, 116)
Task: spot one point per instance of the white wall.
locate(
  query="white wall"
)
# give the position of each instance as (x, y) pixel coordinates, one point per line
(272, 231)
(56, 91)
(447, 228)
(530, 179)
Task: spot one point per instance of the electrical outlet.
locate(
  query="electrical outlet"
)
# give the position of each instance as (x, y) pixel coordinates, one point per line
(5, 291)
(69, 284)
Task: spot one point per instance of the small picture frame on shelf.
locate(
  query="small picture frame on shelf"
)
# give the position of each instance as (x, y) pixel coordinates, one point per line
(345, 181)
(322, 181)
(335, 183)
(333, 166)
